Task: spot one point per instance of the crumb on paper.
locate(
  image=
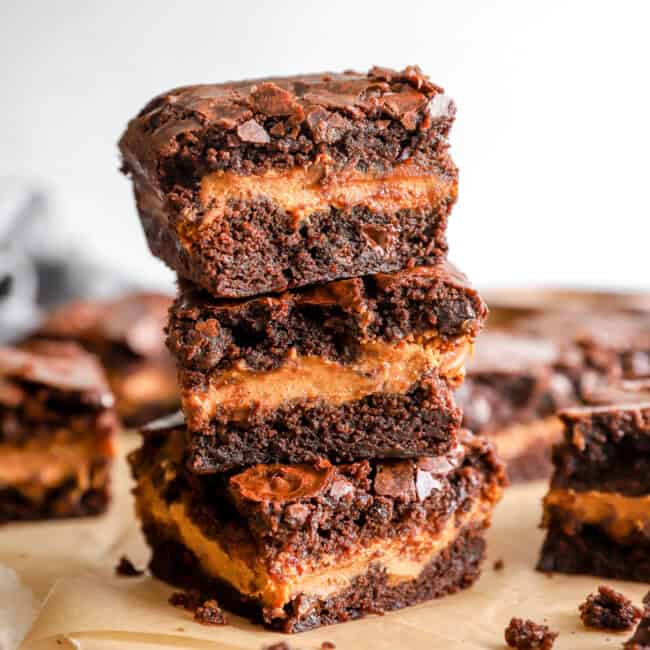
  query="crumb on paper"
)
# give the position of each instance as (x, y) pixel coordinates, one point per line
(609, 610)
(528, 635)
(499, 565)
(126, 568)
(209, 613)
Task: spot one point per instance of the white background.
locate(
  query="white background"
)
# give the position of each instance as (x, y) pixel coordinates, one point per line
(552, 133)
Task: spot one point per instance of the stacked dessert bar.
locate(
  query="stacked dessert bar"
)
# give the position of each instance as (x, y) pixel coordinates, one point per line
(318, 471)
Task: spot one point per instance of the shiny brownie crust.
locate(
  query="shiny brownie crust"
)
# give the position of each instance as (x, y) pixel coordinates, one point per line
(329, 321)
(372, 120)
(456, 568)
(422, 422)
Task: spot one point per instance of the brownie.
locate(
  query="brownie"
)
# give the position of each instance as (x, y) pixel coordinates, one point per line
(356, 367)
(127, 334)
(56, 432)
(615, 344)
(596, 510)
(514, 385)
(271, 184)
(344, 522)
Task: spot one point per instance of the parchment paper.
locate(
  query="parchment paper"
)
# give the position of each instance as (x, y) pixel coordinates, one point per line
(70, 568)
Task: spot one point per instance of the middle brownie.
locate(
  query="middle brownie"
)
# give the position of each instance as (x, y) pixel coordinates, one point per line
(348, 370)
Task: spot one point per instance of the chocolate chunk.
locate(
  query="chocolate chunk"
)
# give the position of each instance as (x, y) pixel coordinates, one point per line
(280, 483)
(425, 484)
(272, 100)
(609, 610)
(527, 635)
(326, 126)
(126, 568)
(251, 131)
(395, 479)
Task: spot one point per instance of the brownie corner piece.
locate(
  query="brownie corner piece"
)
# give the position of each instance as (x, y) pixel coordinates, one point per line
(263, 185)
(57, 426)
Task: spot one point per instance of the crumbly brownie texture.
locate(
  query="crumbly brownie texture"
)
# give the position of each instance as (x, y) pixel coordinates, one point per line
(455, 568)
(321, 511)
(591, 552)
(609, 610)
(87, 493)
(329, 321)
(422, 422)
(512, 379)
(527, 635)
(263, 185)
(56, 430)
(127, 334)
(614, 344)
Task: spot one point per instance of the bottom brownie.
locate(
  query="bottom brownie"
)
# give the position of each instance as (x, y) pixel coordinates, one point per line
(455, 568)
(88, 493)
(591, 552)
(304, 545)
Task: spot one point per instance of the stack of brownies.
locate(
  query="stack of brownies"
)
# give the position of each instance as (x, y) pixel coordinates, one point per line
(318, 471)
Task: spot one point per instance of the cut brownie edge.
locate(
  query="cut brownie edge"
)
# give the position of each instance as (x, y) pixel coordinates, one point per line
(421, 422)
(591, 552)
(456, 567)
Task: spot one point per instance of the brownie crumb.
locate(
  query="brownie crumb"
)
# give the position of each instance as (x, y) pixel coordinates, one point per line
(126, 568)
(188, 600)
(210, 614)
(499, 565)
(609, 610)
(281, 645)
(646, 600)
(527, 635)
(327, 645)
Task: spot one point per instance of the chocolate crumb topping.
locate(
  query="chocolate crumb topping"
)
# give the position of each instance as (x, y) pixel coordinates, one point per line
(528, 635)
(609, 610)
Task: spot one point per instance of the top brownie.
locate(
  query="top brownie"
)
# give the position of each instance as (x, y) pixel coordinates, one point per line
(263, 185)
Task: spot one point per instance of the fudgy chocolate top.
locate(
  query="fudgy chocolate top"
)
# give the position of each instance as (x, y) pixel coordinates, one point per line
(330, 320)
(135, 322)
(248, 126)
(59, 366)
